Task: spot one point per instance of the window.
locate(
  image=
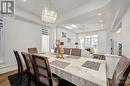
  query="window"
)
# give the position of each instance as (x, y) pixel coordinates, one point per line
(89, 41)
(81, 43)
(1, 38)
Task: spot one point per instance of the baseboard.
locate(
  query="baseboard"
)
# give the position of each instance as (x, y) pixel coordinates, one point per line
(7, 68)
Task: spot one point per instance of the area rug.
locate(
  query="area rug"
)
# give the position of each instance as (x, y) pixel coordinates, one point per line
(14, 81)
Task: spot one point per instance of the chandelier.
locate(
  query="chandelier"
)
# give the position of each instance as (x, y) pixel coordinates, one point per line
(49, 15)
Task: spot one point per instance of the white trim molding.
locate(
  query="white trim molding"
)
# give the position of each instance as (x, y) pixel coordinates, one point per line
(7, 68)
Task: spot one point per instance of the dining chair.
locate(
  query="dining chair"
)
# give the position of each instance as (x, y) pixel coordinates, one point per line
(121, 72)
(43, 72)
(76, 52)
(67, 51)
(30, 70)
(99, 56)
(32, 50)
(20, 65)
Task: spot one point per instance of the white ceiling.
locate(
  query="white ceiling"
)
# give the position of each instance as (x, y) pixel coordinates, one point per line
(83, 13)
(62, 6)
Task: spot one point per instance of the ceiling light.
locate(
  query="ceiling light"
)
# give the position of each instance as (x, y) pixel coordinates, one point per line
(118, 31)
(74, 26)
(100, 21)
(68, 27)
(24, 0)
(99, 14)
(49, 15)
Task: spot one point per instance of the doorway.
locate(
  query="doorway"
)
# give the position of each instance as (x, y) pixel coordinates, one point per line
(45, 43)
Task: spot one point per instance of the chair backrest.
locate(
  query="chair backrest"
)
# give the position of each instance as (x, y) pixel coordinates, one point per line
(42, 70)
(67, 51)
(76, 52)
(32, 50)
(121, 72)
(19, 61)
(99, 56)
(27, 59)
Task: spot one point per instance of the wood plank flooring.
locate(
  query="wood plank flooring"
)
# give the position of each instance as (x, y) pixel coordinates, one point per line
(4, 78)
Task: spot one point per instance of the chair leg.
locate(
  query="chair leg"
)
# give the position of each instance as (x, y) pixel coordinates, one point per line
(29, 80)
(18, 73)
(36, 83)
(21, 74)
(21, 78)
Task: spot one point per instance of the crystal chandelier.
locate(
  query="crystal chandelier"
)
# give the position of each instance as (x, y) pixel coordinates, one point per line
(49, 15)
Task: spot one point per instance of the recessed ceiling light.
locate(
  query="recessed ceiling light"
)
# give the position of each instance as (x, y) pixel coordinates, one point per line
(74, 26)
(24, 0)
(99, 14)
(118, 31)
(100, 21)
(68, 27)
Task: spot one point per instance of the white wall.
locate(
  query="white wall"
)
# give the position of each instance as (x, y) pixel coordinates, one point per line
(19, 35)
(52, 37)
(102, 39)
(69, 34)
(123, 36)
(56, 32)
(126, 33)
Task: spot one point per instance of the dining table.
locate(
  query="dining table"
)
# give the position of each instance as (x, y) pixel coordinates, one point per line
(80, 71)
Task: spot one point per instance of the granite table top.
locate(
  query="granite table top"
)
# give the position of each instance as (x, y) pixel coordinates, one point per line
(81, 72)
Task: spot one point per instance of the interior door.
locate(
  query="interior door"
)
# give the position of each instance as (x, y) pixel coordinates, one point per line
(45, 43)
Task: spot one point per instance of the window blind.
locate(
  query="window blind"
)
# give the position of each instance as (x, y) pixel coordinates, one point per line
(45, 31)
(1, 22)
(1, 38)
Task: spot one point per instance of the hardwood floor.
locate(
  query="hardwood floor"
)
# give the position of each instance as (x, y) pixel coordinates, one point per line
(4, 78)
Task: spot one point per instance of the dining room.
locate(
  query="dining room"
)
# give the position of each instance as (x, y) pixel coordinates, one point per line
(64, 43)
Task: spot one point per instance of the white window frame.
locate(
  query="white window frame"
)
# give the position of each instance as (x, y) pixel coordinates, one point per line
(90, 37)
(2, 42)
